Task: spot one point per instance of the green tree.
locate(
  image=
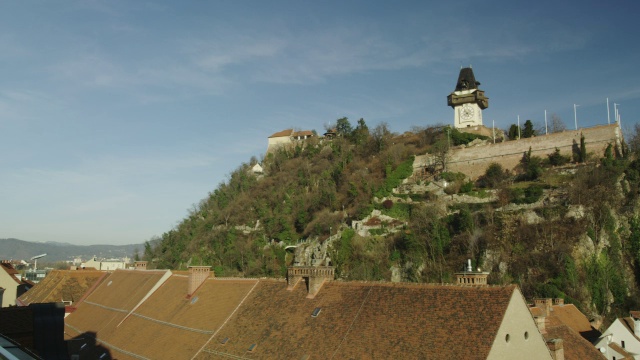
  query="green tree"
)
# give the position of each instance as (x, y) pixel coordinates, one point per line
(493, 176)
(583, 149)
(528, 130)
(557, 159)
(360, 133)
(343, 127)
(531, 166)
(514, 132)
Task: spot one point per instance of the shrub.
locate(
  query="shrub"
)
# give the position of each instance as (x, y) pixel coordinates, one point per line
(557, 159)
(493, 176)
(387, 204)
(466, 187)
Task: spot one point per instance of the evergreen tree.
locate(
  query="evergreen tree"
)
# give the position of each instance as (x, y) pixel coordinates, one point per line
(528, 131)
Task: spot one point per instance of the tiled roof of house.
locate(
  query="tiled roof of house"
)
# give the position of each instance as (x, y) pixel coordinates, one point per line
(356, 320)
(364, 321)
(575, 346)
(572, 326)
(569, 315)
(62, 285)
(282, 133)
(303, 133)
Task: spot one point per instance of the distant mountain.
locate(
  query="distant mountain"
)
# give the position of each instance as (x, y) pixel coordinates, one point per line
(57, 251)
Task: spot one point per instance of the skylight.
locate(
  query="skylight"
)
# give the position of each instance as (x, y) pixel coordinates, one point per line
(224, 341)
(252, 347)
(193, 301)
(316, 312)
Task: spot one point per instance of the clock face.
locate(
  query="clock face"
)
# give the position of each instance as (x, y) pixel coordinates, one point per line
(466, 112)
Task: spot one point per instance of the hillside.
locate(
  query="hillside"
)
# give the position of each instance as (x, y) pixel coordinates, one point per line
(557, 226)
(24, 250)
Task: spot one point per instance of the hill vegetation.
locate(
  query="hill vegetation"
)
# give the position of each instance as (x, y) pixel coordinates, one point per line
(557, 227)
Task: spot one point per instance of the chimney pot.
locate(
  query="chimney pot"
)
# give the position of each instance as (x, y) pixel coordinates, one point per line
(544, 304)
(556, 348)
(541, 324)
(558, 301)
(197, 276)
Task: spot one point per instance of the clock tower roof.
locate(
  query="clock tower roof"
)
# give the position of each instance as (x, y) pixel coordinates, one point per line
(466, 80)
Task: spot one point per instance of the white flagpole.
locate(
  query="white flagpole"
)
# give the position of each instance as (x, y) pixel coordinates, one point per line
(519, 127)
(608, 117)
(494, 131)
(546, 128)
(575, 115)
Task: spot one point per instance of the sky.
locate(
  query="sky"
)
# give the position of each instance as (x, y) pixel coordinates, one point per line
(116, 117)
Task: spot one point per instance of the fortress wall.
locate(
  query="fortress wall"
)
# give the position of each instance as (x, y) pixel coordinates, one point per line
(474, 161)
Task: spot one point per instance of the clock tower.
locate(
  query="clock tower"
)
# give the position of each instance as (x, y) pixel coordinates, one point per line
(467, 101)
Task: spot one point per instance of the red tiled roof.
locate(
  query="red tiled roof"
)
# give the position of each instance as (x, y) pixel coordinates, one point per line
(282, 133)
(303, 133)
(365, 321)
(62, 285)
(167, 318)
(569, 315)
(575, 346)
(357, 320)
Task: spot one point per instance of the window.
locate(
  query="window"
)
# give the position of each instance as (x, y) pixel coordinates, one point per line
(526, 335)
(507, 338)
(622, 344)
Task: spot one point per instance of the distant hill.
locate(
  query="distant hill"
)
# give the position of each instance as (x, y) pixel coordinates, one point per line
(25, 250)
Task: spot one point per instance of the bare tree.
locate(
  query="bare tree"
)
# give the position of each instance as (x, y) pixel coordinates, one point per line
(556, 125)
(441, 154)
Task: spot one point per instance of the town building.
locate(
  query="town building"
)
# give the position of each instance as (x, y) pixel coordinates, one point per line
(467, 101)
(286, 138)
(557, 320)
(13, 284)
(63, 286)
(622, 339)
(106, 265)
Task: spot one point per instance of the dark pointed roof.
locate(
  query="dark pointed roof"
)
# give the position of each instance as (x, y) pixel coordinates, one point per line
(466, 80)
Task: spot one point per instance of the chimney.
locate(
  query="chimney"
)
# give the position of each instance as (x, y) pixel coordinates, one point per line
(471, 278)
(197, 276)
(140, 265)
(541, 324)
(544, 305)
(636, 327)
(558, 301)
(556, 348)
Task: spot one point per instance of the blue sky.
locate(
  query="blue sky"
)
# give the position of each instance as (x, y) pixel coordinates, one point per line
(117, 116)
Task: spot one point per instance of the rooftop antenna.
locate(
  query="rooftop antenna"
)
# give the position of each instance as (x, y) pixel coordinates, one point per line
(35, 263)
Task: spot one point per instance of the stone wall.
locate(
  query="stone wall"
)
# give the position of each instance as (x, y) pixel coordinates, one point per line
(473, 161)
